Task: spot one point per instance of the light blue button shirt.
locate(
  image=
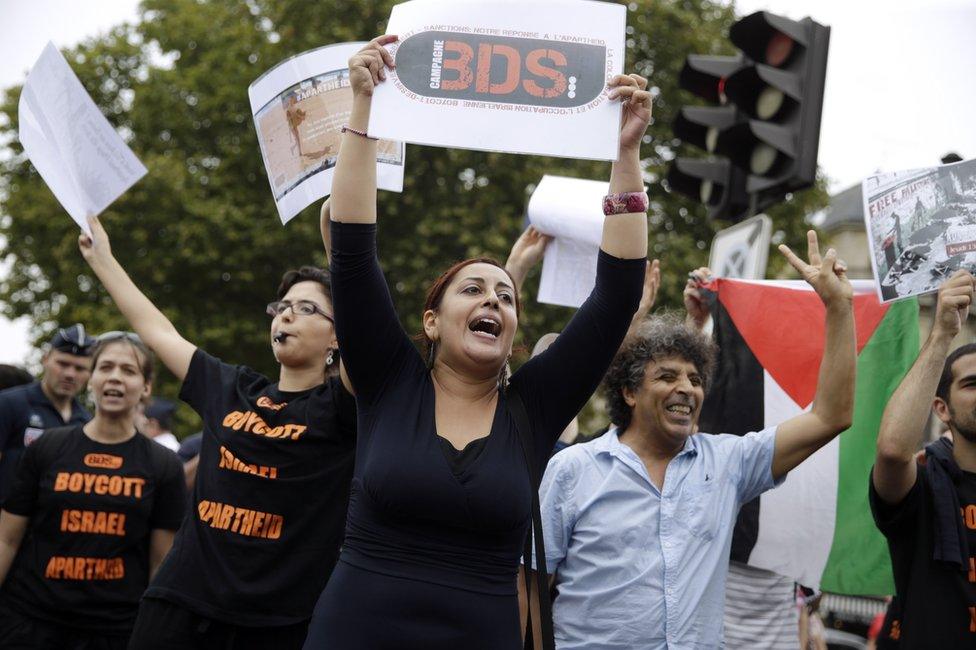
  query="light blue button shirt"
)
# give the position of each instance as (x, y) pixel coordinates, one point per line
(642, 568)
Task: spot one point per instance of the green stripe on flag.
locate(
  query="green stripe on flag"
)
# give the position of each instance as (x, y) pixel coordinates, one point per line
(859, 563)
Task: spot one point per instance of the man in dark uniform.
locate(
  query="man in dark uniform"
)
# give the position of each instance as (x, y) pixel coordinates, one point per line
(26, 411)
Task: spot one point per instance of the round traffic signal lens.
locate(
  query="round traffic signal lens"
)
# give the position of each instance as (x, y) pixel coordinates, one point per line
(778, 49)
(705, 192)
(711, 139)
(762, 159)
(769, 102)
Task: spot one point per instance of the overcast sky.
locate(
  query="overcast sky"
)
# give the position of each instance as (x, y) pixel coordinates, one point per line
(899, 81)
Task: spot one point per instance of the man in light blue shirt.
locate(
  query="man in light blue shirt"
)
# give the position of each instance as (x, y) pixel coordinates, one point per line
(638, 522)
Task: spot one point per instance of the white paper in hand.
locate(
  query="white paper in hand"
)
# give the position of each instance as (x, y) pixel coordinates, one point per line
(79, 155)
(571, 211)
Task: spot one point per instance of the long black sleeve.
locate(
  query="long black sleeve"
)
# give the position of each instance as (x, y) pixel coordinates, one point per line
(556, 384)
(372, 343)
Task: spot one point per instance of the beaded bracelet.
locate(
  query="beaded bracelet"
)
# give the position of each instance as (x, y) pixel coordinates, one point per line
(625, 203)
(362, 134)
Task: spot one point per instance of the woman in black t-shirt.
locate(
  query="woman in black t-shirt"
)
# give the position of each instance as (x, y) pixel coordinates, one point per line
(440, 499)
(92, 512)
(268, 508)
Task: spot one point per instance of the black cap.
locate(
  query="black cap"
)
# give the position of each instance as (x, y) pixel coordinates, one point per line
(162, 410)
(73, 340)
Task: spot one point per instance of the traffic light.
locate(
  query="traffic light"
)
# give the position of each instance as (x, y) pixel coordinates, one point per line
(715, 182)
(781, 91)
(712, 181)
(766, 126)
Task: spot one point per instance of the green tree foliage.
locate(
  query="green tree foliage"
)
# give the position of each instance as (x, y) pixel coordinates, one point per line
(199, 234)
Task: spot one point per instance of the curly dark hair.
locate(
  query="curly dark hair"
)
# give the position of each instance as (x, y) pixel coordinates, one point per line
(658, 338)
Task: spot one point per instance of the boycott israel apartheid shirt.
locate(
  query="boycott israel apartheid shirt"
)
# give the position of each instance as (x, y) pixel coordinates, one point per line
(269, 507)
(84, 561)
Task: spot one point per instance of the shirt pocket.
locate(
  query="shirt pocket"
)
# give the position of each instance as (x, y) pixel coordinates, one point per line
(697, 510)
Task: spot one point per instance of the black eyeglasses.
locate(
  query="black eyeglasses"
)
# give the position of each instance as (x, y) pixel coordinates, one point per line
(300, 307)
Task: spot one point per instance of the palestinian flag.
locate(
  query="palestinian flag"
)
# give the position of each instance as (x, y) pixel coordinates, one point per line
(817, 526)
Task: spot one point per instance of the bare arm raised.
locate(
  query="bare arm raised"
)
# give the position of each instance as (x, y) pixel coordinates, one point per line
(147, 321)
(354, 184)
(905, 416)
(833, 405)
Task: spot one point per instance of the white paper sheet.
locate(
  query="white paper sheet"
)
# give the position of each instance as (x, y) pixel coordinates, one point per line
(79, 155)
(921, 227)
(504, 75)
(299, 107)
(571, 211)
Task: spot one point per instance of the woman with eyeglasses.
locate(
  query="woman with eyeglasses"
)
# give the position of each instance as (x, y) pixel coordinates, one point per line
(440, 501)
(268, 508)
(92, 511)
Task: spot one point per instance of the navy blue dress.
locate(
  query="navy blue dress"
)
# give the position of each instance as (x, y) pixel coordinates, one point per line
(431, 552)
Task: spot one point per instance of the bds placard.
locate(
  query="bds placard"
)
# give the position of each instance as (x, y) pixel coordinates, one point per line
(500, 75)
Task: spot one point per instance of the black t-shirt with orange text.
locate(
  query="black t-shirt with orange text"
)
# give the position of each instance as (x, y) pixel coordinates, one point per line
(269, 506)
(84, 561)
(937, 603)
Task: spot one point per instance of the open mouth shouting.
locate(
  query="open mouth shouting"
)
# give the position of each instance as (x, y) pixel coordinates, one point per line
(486, 327)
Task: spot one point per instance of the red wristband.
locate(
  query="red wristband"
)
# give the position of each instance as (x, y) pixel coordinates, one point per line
(625, 203)
(362, 134)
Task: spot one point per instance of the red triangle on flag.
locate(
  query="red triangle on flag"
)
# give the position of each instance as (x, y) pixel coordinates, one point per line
(784, 328)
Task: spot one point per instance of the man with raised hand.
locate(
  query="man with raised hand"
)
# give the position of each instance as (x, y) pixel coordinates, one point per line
(926, 506)
(638, 523)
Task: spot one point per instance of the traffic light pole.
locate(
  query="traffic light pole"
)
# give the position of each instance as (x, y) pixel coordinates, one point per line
(753, 204)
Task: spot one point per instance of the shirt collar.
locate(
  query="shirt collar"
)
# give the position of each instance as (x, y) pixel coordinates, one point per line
(36, 397)
(609, 443)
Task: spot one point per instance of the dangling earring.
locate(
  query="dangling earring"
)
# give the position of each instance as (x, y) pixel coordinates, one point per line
(329, 360)
(503, 377)
(431, 351)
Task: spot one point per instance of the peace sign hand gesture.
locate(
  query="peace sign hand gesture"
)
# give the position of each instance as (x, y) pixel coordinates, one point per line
(827, 275)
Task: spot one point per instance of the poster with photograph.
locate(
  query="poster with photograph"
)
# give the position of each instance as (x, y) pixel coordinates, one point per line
(299, 108)
(504, 75)
(921, 227)
(85, 163)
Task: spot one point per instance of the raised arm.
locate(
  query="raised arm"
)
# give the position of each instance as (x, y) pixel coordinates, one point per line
(697, 312)
(147, 321)
(907, 412)
(833, 404)
(527, 251)
(354, 184)
(652, 281)
(625, 235)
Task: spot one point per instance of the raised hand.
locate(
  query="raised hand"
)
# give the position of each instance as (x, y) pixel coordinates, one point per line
(632, 92)
(695, 306)
(827, 275)
(652, 282)
(526, 253)
(97, 247)
(955, 297)
(367, 67)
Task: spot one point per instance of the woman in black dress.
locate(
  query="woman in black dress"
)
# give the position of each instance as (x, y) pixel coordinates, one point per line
(440, 498)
